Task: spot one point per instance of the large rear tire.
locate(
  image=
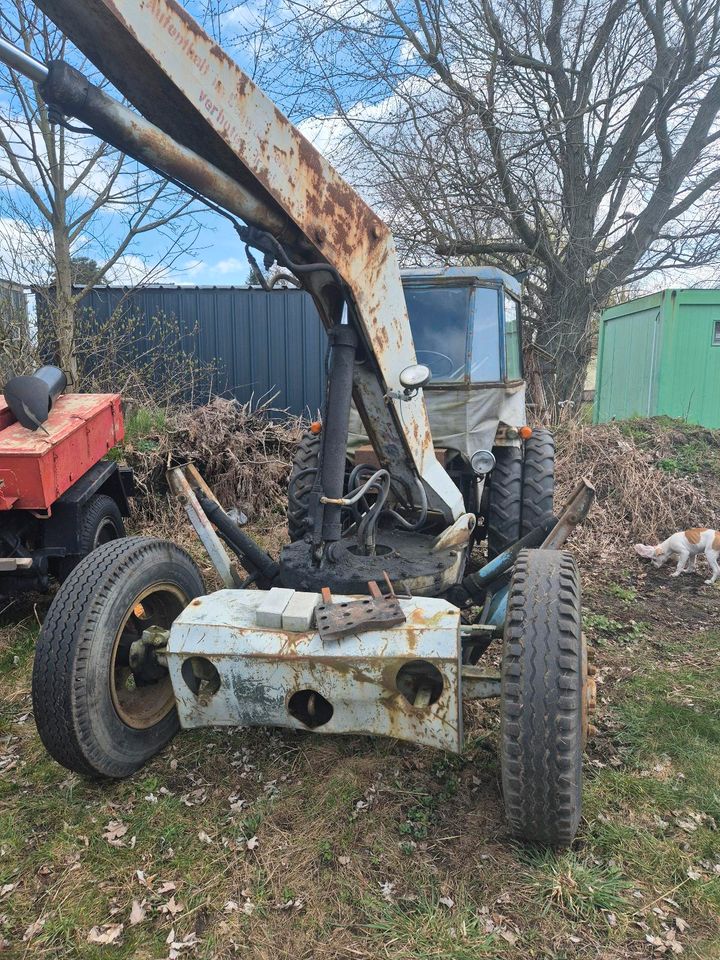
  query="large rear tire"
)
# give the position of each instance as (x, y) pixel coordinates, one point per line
(94, 715)
(302, 477)
(542, 689)
(505, 501)
(538, 480)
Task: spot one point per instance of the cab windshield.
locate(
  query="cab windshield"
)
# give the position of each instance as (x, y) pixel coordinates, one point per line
(453, 347)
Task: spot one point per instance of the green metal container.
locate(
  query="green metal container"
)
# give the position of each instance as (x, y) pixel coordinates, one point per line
(660, 354)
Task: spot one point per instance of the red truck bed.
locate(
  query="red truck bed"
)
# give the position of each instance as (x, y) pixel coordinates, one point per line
(36, 468)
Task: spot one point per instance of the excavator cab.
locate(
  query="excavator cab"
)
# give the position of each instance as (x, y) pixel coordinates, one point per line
(466, 325)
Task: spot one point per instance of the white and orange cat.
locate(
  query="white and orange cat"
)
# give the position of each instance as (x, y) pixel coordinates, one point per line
(686, 546)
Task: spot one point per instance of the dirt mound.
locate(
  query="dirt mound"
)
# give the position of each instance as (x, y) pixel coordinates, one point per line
(653, 477)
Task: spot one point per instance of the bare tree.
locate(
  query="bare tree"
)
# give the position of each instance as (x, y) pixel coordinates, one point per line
(574, 139)
(69, 197)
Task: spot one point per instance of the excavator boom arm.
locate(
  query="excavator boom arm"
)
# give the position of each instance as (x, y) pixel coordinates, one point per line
(174, 74)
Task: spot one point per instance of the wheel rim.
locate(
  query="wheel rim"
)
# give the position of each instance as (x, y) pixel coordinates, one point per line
(106, 532)
(142, 705)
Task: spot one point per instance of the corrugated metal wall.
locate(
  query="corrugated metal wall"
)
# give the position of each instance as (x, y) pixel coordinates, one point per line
(263, 343)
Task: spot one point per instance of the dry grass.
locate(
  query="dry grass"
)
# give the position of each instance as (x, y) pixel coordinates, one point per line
(242, 451)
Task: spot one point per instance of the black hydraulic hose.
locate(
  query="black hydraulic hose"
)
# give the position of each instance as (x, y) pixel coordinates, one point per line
(258, 563)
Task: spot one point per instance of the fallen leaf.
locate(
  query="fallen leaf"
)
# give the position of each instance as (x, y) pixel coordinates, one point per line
(343, 861)
(166, 887)
(137, 912)
(204, 837)
(681, 924)
(7, 888)
(248, 907)
(172, 907)
(113, 832)
(177, 947)
(34, 929)
(105, 934)
(252, 843)
(231, 906)
(387, 889)
(447, 902)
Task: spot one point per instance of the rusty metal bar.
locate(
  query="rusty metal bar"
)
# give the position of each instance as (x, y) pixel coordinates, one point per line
(66, 89)
(178, 483)
(575, 511)
(479, 684)
(178, 78)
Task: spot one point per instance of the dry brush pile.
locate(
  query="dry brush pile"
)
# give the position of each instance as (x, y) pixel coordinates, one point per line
(652, 478)
(242, 450)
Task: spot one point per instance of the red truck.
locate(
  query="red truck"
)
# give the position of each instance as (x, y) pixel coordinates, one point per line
(60, 497)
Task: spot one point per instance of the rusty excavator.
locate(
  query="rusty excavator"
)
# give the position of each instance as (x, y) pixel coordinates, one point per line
(371, 620)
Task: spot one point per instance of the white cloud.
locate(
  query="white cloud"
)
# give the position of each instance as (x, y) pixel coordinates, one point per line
(25, 252)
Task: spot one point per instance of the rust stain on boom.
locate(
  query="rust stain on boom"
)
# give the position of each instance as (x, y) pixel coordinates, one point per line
(178, 78)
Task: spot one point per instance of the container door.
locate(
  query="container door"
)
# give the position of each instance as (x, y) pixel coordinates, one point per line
(627, 366)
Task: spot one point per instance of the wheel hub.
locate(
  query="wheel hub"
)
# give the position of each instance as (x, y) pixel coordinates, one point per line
(140, 687)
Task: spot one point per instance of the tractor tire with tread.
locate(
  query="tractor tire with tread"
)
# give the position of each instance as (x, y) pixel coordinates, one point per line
(538, 480)
(83, 646)
(542, 686)
(302, 477)
(505, 501)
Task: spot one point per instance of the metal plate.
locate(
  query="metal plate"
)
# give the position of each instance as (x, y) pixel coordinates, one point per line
(337, 620)
(259, 670)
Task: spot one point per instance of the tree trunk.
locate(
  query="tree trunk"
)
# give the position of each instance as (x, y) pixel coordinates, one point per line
(565, 338)
(64, 307)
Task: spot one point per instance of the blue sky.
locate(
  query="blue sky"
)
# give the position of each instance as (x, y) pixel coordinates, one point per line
(217, 256)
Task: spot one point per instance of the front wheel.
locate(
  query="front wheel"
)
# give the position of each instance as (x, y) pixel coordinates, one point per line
(543, 689)
(93, 713)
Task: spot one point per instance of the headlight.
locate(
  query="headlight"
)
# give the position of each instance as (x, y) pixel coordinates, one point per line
(482, 462)
(415, 377)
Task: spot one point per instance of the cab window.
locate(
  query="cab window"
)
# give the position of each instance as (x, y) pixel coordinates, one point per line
(439, 323)
(513, 353)
(485, 357)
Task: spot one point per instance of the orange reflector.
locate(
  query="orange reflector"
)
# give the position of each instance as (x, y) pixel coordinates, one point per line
(315, 427)
(139, 611)
(525, 432)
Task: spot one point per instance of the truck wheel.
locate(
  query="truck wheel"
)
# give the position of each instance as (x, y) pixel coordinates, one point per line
(94, 715)
(302, 477)
(100, 522)
(538, 481)
(505, 501)
(543, 687)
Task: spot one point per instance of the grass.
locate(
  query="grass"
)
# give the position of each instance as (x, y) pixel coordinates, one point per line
(602, 628)
(690, 453)
(576, 887)
(371, 848)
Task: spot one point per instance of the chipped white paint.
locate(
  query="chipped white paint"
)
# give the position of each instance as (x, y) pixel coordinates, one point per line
(260, 669)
